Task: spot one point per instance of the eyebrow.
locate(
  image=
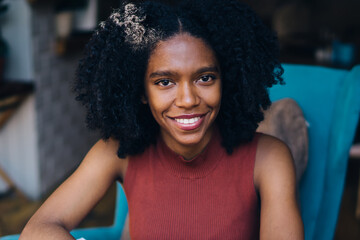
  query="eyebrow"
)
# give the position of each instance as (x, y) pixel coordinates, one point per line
(208, 69)
(170, 73)
(161, 74)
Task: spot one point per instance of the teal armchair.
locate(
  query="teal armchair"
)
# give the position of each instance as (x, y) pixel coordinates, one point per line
(330, 100)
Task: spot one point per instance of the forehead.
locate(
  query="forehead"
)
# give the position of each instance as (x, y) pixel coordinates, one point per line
(181, 52)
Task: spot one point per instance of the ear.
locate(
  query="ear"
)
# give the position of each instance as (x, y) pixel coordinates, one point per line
(143, 100)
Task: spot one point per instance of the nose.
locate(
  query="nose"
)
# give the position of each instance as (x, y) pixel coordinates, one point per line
(187, 96)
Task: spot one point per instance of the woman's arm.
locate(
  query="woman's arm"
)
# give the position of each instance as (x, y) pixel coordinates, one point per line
(274, 177)
(74, 199)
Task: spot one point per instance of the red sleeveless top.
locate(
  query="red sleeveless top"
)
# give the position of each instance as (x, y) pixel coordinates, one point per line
(211, 197)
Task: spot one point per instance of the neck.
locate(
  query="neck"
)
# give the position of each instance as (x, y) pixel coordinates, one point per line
(190, 151)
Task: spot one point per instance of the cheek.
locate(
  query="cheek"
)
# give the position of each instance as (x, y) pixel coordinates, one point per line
(158, 102)
(217, 99)
(213, 98)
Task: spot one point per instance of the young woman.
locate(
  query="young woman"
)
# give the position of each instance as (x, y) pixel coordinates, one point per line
(177, 93)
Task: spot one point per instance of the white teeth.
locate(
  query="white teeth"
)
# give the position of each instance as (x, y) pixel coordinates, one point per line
(187, 121)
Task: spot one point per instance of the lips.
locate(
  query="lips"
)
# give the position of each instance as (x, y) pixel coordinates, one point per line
(188, 122)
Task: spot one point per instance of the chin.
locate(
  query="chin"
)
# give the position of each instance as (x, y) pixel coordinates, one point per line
(190, 139)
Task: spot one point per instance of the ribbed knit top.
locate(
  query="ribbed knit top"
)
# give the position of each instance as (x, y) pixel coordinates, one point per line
(210, 197)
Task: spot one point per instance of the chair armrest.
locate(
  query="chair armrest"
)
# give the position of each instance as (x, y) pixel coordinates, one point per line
(98, 233)
(10, 237)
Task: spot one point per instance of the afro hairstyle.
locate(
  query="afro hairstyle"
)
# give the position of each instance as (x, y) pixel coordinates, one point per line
(110, 77)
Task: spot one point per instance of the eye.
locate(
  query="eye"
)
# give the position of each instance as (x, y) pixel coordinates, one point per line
(207, 78)
(164, 83)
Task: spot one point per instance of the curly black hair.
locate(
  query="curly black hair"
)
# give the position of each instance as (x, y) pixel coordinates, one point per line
(110, 77)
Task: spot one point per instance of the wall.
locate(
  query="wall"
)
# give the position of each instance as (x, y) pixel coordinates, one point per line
(341, 15)
(18, 138)
(18, 149)
(63, 139)
(338, 16)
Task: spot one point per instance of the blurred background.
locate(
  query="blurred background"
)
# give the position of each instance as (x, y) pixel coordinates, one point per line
(43, 136)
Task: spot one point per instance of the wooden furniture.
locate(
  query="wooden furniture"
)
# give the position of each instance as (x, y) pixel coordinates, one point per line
(355, 154)
(12, 94)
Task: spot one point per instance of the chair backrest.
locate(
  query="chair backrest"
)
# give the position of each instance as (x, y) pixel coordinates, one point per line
(330, 100)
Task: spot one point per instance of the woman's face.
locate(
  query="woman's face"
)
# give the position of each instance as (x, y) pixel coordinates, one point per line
(183, 90)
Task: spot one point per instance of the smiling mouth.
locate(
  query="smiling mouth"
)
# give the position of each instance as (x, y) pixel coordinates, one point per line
(187, 120)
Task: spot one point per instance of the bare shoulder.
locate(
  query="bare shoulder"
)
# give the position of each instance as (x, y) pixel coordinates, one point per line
(105, 151)
(270, 148)
(273, 160)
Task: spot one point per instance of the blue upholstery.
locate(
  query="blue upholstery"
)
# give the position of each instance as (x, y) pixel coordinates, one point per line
(101, 233)
(330, 99)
